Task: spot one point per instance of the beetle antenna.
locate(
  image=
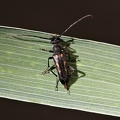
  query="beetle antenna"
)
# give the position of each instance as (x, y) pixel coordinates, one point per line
(75, 23)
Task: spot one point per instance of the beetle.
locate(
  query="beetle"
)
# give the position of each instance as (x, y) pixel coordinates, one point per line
(59, 58)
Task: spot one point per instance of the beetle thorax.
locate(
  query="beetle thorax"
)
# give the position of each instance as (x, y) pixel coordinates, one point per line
(57, 49)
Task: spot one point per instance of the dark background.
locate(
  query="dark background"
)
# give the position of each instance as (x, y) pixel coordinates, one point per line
(54, 16)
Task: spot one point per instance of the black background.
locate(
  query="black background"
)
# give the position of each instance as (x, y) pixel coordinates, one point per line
(54, 16)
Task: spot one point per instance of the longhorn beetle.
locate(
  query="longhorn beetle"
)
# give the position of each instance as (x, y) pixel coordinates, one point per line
(59, 58)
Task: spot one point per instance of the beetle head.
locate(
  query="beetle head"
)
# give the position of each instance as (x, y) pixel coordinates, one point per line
(55, 39)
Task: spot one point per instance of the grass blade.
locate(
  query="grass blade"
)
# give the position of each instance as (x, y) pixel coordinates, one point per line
(94, 87)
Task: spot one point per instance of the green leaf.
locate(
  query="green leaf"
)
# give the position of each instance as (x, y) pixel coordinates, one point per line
(94, 86)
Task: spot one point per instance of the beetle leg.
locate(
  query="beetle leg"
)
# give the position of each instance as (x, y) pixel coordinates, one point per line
(50, 69)
(48, 61)
(56, 87)
(46, 71)
(51, 51)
